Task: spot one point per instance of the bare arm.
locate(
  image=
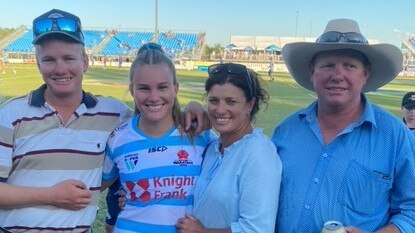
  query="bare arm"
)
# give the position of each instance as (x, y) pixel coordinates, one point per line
(68, 194)
(122, 200)
(390, 228)
(190, 224)
(196, 117)
(107, 183)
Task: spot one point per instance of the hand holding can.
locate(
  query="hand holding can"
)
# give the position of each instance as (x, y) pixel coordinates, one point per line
(333, 227)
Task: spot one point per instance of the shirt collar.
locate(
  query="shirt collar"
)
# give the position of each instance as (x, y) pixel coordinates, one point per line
(368, 114)
(37, 98)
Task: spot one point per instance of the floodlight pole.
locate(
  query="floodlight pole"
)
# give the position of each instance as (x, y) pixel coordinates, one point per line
(311, 25)
(296, 24)
(156, 30)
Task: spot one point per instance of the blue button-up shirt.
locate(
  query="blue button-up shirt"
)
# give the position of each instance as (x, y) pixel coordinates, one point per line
(365, 177)
(239, 188)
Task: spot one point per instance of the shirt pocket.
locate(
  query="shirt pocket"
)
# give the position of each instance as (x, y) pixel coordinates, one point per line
(90, 142)
(364, 190)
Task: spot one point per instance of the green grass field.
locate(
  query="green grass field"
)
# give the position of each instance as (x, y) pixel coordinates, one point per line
(286, 95)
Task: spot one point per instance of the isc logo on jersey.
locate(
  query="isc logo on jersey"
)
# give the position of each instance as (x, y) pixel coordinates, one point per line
(157, 149)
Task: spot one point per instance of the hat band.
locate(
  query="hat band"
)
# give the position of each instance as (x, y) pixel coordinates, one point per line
(68, 25)
(346, 37)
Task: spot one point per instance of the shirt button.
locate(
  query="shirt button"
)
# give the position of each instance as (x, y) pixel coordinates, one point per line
(316, 180)
(307, 207)
(325, 155)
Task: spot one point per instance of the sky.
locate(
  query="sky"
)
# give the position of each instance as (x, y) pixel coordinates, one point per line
(384, 20)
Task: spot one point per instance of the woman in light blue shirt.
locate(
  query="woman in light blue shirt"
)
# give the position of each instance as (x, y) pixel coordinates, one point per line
(238, 188)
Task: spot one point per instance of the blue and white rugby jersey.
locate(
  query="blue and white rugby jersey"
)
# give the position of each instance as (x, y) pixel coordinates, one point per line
(158, 175)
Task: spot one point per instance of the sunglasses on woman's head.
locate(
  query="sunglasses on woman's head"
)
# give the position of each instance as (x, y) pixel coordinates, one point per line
(233, 69)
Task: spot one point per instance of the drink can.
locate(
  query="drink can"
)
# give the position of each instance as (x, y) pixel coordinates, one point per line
(333, 227)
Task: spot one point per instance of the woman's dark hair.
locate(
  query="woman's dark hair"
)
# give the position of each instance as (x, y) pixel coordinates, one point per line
(248, 82)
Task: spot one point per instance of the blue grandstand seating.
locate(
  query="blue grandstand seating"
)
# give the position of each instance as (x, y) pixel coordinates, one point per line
(124, 42)
(120, 43)
(22, 44)
(178, 41)
(94, 37)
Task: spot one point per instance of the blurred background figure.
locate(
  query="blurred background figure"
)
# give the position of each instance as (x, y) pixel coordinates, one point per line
(408, 110)
(5, 63)
(271, 69)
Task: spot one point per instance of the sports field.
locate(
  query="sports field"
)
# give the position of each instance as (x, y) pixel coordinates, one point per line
(286, 95)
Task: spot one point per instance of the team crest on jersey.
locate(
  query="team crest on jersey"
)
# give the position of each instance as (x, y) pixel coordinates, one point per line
(131, 161)
(183, 158)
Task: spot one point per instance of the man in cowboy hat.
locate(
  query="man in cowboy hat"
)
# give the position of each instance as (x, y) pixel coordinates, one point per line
(344, 158)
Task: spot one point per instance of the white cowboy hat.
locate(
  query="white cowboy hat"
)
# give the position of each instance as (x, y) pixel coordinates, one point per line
(386, 59)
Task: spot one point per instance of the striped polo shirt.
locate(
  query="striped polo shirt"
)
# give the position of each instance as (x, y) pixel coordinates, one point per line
(36, 150)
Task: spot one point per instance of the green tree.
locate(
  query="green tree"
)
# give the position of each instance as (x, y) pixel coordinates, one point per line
(5, 32)
(217, 48)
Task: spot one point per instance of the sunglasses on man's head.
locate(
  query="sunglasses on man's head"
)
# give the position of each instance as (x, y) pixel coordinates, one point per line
(347, 37)
(63, 24)
(234, 69)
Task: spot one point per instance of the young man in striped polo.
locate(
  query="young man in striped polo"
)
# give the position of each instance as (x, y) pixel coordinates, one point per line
(52, 140)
